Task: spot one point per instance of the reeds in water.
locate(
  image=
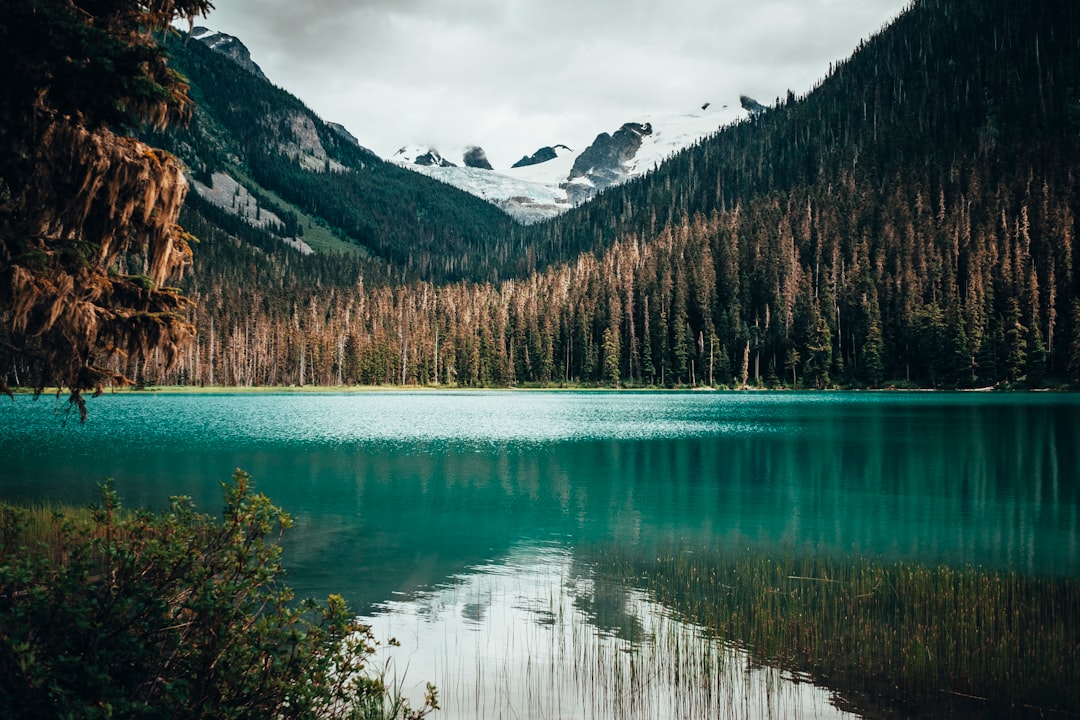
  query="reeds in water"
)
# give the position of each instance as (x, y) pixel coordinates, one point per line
(934, 640)
(541, 636)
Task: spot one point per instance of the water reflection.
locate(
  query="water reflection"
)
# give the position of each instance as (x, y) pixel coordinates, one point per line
(395, 492)
(452, 520)
(537, 636)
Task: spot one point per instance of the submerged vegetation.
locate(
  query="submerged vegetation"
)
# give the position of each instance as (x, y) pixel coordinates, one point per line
(888, 636)
(121, 613)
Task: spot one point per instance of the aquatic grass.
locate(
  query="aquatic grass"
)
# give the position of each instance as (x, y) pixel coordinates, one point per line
(554, 641)
(935, 640)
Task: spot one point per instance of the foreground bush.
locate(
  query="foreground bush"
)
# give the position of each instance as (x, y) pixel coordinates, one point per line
(132, 614)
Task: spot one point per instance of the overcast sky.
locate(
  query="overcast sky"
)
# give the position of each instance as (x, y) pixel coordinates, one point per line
(514, 75)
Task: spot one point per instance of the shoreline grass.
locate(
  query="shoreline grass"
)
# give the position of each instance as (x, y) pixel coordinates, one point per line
(890, 637)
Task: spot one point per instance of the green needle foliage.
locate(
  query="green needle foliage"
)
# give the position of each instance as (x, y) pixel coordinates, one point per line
(133, 614)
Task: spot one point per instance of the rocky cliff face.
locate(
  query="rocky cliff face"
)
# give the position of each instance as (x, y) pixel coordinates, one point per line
(604, 163)
(343, 132)
(540, 156)
(475, 157)
(302, 142)
(229, 46)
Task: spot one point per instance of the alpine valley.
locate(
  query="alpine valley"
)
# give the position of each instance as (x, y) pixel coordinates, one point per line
(909, 221)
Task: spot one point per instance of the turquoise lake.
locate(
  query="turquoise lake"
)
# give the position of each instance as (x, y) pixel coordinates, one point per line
(459, 515)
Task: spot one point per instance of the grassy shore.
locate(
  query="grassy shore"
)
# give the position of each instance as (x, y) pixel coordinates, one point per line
(893, 638)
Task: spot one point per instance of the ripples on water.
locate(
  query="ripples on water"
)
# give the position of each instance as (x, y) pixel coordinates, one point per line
(451, 519)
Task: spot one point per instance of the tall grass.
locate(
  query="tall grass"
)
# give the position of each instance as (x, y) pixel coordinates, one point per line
(553, 641)
(933, 640)
(42, 528)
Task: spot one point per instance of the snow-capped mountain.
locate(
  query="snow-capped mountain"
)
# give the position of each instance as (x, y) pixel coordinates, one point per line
(555, 178)
(528, 194)
(545, 183)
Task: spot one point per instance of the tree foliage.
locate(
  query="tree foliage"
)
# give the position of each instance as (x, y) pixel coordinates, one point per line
(174, 615)
(912, 220)
(88, 216)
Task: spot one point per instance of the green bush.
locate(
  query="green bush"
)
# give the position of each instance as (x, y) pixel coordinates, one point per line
(175, 614)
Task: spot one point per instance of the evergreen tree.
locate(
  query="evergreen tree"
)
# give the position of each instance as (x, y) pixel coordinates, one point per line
(873, 348)
(76, 197)
(1015, 337)
(819, 352)
(611, 357)
(1074, 346)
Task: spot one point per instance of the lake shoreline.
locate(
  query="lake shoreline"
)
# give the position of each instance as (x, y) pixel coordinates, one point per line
(375, 389)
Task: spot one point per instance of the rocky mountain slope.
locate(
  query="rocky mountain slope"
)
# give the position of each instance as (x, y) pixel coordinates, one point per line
(541, 185)
(264, 166)
(556, 178)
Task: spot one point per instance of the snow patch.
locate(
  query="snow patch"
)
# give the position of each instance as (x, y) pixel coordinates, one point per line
(538, 192)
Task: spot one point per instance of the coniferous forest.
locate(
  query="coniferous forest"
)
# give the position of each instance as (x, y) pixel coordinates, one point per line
(910, 221)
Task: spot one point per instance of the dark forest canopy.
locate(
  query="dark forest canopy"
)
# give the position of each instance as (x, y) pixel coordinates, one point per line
(911, 220)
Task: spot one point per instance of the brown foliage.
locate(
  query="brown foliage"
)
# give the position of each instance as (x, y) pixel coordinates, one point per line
(79, 203)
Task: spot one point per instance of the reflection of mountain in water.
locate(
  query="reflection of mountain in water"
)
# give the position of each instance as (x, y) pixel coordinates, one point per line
(993, 485)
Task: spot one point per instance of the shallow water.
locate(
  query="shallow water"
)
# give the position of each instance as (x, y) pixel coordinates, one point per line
(409, 503)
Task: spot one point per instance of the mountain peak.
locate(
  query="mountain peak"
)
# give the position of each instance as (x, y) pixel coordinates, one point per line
(542, 155)
(604, 163)
(228, 46)
(475, 157)
(421, 155)
(555, 177)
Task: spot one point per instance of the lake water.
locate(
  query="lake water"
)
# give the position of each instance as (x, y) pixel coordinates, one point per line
(455, 521)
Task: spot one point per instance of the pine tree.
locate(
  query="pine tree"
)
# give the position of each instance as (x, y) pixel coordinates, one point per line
(76, 197)
(791, 362)
(612, 375)
(1015, 344)
(1074, 346)
(819, 354)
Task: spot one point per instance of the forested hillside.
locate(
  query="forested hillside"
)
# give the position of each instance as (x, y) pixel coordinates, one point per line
(910, 220)
(406, 226)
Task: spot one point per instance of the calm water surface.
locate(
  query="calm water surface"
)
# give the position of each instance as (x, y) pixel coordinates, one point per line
(458, 514)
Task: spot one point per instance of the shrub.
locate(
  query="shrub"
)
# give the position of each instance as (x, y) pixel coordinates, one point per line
(174, 614)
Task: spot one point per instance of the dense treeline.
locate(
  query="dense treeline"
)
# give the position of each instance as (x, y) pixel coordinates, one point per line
(946, 85)
(962, 284)
(912, 220)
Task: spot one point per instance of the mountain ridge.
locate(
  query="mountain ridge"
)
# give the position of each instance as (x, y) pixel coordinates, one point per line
(910, 228)
(556, 179)
(531, 196)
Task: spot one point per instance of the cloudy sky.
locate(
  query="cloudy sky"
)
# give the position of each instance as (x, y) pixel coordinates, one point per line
(515, 75)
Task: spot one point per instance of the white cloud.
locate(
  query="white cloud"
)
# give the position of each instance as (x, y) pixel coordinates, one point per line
(513, 75)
